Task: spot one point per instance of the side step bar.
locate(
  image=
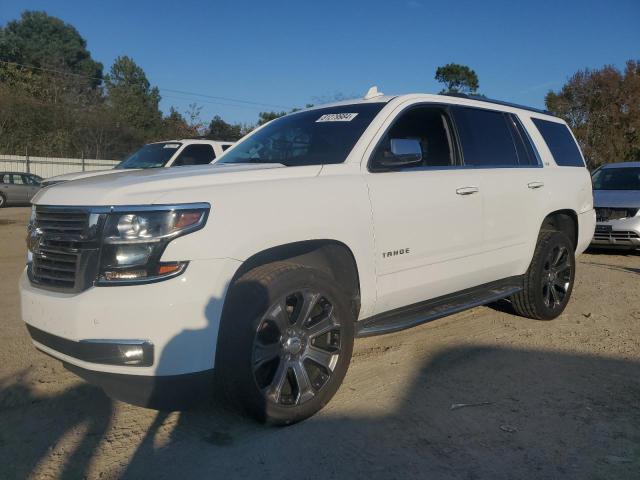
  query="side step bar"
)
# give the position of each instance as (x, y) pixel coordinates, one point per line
(422, 312)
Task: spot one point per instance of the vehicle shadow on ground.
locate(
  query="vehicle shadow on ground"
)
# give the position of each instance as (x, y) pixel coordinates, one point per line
(39, 423)
(531, 414)
(537, 415)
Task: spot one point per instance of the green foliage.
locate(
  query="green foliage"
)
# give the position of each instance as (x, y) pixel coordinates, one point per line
(457, 78)
(264, 117)
(132, 97)
(47, 42)
(54, 100)
(602, 107)
(221, 130)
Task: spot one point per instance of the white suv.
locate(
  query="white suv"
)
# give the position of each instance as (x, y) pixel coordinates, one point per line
(170, 153)
(336, 222)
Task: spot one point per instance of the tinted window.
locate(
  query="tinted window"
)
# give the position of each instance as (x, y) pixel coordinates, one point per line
(618, 178)
(5, 178)
(225, 147)
(314, 137)
(151, 156)
(197, 154)
(430, 127)
(560, 142)
(485, 136)
(526, 153)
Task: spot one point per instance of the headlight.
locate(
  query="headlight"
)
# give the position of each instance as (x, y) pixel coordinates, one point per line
(134, 239)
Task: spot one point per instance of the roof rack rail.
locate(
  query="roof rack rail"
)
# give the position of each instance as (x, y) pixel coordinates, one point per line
(498, 102)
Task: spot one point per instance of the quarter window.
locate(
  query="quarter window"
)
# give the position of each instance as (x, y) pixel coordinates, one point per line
(486, 137)
(560, 142)
(196, 154)
(428, 125)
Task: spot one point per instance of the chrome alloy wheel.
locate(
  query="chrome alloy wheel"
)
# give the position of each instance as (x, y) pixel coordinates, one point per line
(296, 348)
(556, 277)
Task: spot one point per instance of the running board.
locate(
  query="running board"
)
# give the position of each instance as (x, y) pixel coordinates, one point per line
(422, 312)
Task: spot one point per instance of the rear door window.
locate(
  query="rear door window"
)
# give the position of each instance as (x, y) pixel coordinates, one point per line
(561, 144)
(18, 180)
(196, 154)
(486, 137)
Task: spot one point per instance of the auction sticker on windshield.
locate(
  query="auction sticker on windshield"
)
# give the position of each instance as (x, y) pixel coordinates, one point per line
(172, 145)
(337, 117)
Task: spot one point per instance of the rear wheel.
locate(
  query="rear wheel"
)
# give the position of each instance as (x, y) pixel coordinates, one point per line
(285, 342)
(549, 280)
(3, 200)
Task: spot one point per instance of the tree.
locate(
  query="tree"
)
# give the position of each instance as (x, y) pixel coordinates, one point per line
(221, 130)
(43, 41)
(264, 117)
(457, 78)
(47, 58)
(602, 107)
(131, 96)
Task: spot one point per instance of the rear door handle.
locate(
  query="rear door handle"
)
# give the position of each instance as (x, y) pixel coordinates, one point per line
(467, 190)
(534, 185)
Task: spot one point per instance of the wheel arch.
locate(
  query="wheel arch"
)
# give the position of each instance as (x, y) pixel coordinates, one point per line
(330, 256)
(565, 221)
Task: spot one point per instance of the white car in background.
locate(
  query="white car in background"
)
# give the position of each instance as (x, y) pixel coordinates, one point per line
(172, 153)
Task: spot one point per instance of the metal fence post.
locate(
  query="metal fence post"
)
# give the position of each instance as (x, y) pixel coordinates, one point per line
(83, 166)
(26, 155)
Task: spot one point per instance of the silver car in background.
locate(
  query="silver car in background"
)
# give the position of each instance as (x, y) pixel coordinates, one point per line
(616, 198)
(18, 188)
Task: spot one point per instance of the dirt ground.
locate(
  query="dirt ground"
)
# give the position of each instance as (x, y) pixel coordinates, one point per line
(556, 399)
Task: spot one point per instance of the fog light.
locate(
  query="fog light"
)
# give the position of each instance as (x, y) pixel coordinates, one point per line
(131, 354)
(133, 254)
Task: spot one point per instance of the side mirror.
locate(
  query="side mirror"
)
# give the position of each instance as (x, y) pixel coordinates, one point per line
(404, 152)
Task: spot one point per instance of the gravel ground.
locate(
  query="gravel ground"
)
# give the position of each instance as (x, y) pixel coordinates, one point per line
(556, 399)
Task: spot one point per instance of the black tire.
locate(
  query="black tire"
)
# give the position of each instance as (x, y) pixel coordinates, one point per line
(548, 282)
(3, 201)
(252, 329)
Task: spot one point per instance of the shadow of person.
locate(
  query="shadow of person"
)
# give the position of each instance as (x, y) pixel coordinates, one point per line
(31, 438)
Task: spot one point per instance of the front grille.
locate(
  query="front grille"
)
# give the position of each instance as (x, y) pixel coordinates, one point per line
(614, 236)
(604, 214)
(64, 246)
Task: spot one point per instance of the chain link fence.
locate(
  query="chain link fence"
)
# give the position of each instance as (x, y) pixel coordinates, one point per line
(47, 167)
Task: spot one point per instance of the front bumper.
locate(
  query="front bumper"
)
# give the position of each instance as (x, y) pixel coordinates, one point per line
(175, 322)
(622, 233)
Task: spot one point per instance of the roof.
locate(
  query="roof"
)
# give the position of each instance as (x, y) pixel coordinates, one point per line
(498, 102)
(621, 165)
(433, 97)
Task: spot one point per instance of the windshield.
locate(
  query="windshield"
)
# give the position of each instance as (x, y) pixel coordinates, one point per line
(315, 137)
(151, 156)
(626, 178)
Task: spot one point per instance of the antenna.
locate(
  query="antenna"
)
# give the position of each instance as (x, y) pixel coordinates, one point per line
(373, 93)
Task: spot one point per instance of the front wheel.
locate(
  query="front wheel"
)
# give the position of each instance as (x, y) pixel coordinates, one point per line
(549, 280)
(285, 343)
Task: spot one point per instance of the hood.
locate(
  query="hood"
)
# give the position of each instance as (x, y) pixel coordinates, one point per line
(616, 198)
(78, 175)
(145, 187)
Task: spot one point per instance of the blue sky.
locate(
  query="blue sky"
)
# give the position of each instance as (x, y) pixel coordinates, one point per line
(291, 53)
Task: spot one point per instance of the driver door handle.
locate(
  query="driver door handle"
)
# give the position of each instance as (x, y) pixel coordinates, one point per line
(534, 185)
(467, 190)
